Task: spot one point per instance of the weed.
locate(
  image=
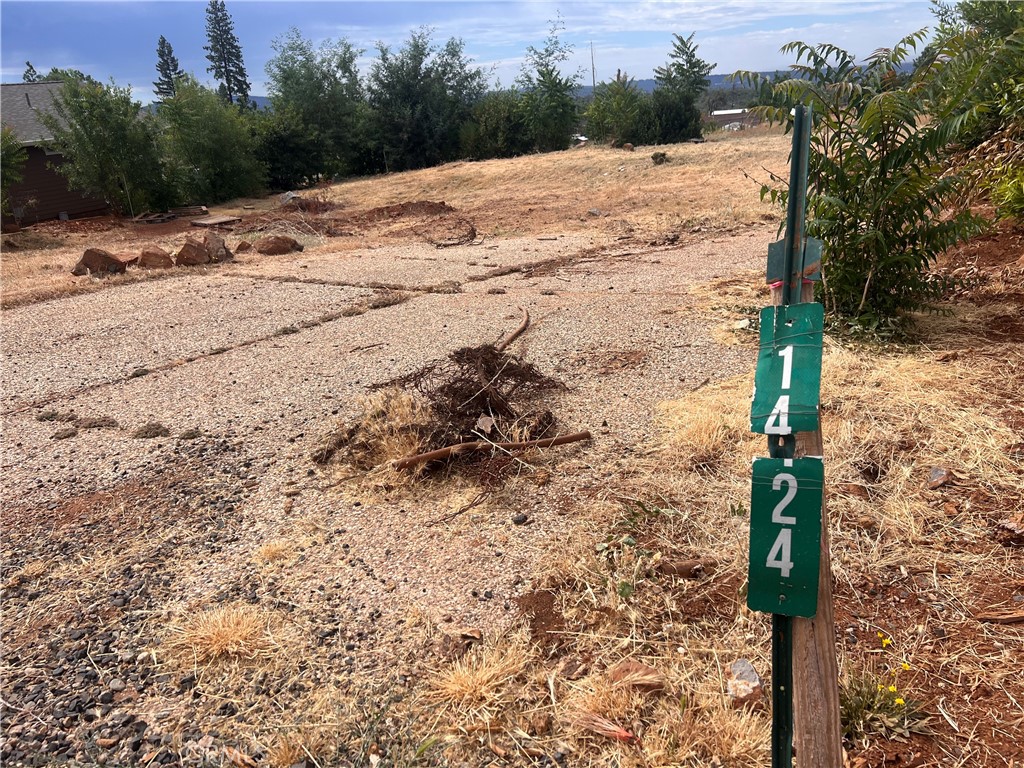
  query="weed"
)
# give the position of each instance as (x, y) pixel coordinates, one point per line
(229, 633)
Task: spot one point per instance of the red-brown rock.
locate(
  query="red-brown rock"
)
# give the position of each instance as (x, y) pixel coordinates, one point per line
(275, 245)
(128, 259)
(192, 254)
(98, 262)
(216, 248)
(243, 246)
(154, 257)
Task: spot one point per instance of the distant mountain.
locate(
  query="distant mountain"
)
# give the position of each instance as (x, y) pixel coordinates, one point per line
(718, 82)
(261, 102)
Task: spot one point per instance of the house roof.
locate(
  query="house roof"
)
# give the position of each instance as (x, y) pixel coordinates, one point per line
(19, 107)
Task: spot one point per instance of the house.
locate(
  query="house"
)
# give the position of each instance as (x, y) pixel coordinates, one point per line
(43, 193)
(741, 118)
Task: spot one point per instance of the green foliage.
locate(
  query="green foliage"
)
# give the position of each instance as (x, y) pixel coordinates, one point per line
(420, 97)
(110, 151)
(877, 194)
(870, 708)
(224, 53)
(208, 146)
(56, 73)
(12, 163)
(620, 112)
(167, 68)
(675, 115)
(685, 73)
(497, 128)
(549, 101)
(318, 94)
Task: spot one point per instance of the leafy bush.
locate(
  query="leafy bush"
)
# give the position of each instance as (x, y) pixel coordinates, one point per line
(12, 161)
(208, 146)
(549, 100)
(620, 112)
(110, 152)
(877, 194)
(497, 128)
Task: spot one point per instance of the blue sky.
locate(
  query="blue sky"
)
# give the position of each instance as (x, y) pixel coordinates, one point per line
(118, 39)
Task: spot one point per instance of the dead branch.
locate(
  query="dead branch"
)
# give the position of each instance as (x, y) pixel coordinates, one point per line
(484, 445)
(502, 345)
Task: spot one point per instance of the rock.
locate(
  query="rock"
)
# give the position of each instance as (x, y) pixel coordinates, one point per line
(633, 674)
(938, 477)
(103, 743)
(743, 683)
(275, 245)
(519, 518)
(741, 325)
(128, 259)
(659, 158)
(98, 262)
(243, 246)
(628, 147)
(117, 684)
(192, 254)
(594, 212)
(216, 248)
(155, 257)
(64, 433)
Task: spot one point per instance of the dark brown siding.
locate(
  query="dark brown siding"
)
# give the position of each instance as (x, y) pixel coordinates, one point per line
(49, 190)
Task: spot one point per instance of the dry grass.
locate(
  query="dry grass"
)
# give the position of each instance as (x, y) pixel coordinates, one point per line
(703, 184)
(888, 419)
(241, 634)
(479, 688)
(276, 550)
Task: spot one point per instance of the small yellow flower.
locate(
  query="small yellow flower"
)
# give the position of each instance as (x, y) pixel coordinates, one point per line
(881, 687)
(886, 642)
(900, 701)
(905, 665)
(892, 689)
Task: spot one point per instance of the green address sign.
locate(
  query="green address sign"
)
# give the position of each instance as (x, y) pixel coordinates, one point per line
(785, 536)
(787, 383)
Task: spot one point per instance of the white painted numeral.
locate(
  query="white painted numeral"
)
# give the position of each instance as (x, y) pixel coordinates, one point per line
(786, 353)
(781, 552)
(790, 481)
(778, 421)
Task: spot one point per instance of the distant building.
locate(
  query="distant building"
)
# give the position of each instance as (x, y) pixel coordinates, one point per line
(43, 193)
(743, 117)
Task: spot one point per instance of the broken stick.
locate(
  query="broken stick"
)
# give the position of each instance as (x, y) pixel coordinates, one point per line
(501, 346)
(483, 445)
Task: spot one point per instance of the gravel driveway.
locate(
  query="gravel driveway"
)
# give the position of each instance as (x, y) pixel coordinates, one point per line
(253, 363)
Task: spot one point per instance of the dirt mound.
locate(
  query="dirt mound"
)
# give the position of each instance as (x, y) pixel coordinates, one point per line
(414, 208)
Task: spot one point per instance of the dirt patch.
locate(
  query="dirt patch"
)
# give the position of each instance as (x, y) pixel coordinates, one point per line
(547, 624)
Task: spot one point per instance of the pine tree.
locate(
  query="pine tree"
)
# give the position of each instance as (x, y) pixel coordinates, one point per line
(686, 73)
(225, 54)
(168, 68)
(30, 76)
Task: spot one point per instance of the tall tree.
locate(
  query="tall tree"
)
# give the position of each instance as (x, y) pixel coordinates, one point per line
(168, 68)
(320, 89)
(56, 73)
(420, 98)
(549, 96)
(685, 73)
(30, 76)
(225, 54)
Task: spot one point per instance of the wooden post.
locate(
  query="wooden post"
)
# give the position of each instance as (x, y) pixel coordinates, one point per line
(817, 730)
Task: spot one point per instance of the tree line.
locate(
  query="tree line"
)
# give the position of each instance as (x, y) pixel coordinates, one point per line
(418, 105)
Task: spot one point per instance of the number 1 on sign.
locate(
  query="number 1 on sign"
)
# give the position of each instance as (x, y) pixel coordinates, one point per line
(786, 353)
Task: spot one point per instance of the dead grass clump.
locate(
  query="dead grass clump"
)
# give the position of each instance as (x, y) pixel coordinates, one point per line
(482, 686)
(707, 431)
(393, 424)
(276, 550)
(232, 633)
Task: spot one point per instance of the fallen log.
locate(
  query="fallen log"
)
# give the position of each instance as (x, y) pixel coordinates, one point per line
(485, 445)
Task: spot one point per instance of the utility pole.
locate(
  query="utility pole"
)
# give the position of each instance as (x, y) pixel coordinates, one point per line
(593, 69)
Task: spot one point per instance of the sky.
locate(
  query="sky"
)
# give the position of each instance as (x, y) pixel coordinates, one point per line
(118, 39)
